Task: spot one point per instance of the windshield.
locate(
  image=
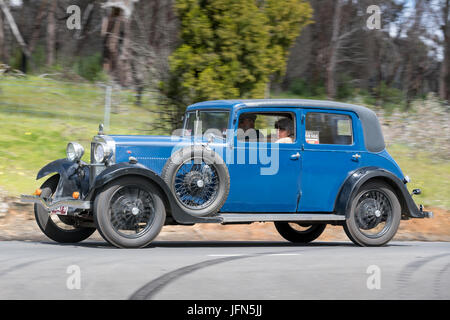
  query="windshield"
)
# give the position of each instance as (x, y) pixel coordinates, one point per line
(200, 122)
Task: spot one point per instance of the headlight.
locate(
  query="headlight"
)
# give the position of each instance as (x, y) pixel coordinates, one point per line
(101, 152)
(74, 151)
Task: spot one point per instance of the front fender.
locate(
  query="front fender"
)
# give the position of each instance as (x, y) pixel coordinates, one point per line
(125, 169)
(72, 177)
(60, 166)
(358, 177)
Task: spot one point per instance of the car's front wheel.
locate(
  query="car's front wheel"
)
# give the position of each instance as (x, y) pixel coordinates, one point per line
(58, 228)
(299, 232)
(129, 212)
(374, 216)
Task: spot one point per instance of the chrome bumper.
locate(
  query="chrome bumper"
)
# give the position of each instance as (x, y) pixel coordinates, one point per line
(49, 206)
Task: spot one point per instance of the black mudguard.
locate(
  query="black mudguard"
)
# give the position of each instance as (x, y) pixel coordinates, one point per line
(125, 169)
(358, 177)
(72, 177)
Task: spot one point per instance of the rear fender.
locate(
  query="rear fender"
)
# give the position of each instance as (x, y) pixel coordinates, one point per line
(360, 176)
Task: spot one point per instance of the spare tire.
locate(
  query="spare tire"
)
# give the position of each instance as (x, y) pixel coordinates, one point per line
(198, 179)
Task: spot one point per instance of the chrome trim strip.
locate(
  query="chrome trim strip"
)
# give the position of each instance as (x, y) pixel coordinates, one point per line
(76, 204)
(262, 217)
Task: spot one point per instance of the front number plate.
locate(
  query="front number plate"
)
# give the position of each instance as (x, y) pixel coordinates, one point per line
(61, 211)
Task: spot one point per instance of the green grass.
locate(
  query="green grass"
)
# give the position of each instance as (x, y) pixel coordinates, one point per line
(38, 117)
(430, 175)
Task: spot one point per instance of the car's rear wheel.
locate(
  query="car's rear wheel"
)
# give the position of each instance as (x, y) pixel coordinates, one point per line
(129, 212)
(374, 216)
(58, 228)
(299, 232)
(198, 179)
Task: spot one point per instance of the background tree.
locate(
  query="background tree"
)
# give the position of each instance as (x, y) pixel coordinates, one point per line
(230, 48)
(204, 49)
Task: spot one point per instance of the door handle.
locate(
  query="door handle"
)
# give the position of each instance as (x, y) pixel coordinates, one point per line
(295, 156)
(356, 156)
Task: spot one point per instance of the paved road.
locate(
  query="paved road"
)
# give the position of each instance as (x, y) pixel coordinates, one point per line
(224, 270)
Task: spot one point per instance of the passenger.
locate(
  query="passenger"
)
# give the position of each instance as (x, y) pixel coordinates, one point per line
(285, 129)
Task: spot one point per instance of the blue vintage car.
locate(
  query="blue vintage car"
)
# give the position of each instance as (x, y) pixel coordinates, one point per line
(301, 164)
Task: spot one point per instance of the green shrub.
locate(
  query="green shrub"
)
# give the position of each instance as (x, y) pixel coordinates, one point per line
(307, 89)
(90, 67)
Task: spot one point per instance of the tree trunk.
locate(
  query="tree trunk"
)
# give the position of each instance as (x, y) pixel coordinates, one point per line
(111, 40)
(116, 43)
(51, 33)
(125, 75)
(333, 53)
(37, 26)
(444, 76)
(2, 40)
(14, 28)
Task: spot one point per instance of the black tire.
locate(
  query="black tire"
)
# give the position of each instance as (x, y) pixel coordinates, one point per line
(215, 164)
(148, 202)
(378, 196)
(49, 227)
(312, 232)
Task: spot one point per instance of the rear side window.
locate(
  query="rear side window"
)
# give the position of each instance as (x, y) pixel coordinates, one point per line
(328, 128)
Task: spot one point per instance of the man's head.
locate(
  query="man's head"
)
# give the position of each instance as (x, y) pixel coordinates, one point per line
(285, 128)
(247, 121)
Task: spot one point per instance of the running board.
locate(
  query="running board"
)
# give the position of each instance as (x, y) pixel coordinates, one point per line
(264, 217)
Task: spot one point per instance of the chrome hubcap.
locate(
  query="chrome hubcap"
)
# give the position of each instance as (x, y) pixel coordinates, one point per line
(373, 214)
(132, 211)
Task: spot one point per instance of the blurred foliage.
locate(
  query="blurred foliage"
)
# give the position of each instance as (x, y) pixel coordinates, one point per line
(90, 67)
(307, 89)
(230, 48)
(389, 98)
(386, 97)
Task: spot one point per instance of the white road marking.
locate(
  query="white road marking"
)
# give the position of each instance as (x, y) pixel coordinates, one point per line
(225, 255)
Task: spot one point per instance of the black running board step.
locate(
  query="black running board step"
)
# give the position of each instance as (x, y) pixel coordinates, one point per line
(263, 217)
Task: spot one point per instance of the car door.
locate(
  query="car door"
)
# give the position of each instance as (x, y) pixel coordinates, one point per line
(264, 176)
(331, 146)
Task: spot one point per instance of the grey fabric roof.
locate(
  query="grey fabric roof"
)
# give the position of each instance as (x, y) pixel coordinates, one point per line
(373, 136)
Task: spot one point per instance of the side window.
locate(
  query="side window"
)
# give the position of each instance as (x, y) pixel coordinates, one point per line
(272, 127)
(328, 128)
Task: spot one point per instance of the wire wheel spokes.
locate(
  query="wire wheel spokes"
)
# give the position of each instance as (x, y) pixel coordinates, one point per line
(132, 211)
(373, 213)
(196, 184)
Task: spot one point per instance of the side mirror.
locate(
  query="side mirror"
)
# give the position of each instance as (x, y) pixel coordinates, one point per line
(416, 192)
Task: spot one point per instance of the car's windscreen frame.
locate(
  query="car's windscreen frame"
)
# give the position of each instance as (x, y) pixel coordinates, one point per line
(197, 113)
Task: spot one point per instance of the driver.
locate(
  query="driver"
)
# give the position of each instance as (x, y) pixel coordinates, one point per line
(246, 128)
